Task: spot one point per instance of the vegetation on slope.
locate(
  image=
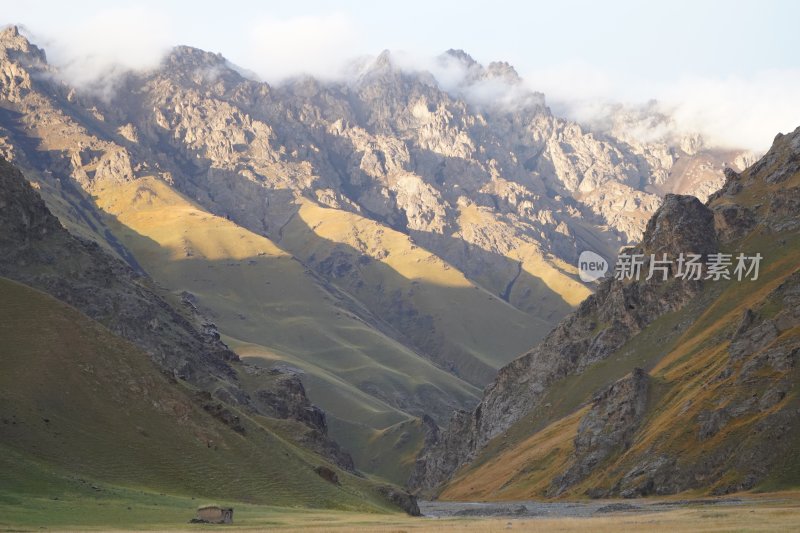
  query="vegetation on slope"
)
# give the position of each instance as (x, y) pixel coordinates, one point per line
(274, 311)
(81, 407)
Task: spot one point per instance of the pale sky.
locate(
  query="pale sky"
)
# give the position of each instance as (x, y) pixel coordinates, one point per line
(731, 68)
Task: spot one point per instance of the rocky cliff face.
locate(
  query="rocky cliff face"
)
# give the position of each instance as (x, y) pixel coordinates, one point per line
(488, 187)
(609, 427)
(725, 419)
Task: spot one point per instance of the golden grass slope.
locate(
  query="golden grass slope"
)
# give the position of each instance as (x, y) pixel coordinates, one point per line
(273, 309)
(459, 324)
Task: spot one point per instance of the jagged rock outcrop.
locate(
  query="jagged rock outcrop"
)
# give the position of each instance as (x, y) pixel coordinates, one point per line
(607, 428)
(776, 210)
(681, 226)
(603, 322)
(285, 398)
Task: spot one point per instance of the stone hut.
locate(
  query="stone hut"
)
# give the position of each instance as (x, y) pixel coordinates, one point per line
(214, 514)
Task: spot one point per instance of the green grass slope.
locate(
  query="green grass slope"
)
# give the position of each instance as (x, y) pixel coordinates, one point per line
(79, 405)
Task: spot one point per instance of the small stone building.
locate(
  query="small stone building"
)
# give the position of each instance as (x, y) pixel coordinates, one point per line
(214, 514)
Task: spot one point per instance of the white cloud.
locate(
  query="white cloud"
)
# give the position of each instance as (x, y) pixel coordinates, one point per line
(734, 112)
(468, 82)
(91, 54)
(318, 45)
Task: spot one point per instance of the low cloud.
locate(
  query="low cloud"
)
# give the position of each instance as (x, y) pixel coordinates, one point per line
(280, 48)
(745, 112)
(730, 112)
(93, 53)
(471, 81)
(734, 111)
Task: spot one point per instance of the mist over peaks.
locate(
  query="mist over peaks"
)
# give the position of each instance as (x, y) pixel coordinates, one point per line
(735, 112)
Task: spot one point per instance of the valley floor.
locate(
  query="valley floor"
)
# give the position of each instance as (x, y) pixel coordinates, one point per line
(147, 511)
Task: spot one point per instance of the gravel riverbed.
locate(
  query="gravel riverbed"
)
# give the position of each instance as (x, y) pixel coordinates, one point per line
(530, 508)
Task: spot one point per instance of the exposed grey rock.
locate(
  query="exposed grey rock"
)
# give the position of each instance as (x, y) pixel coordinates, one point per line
(327, 474)
(607, 428)
(656, 475)
(734, 221)
(753, 339)
(711, 422)
(401, 498)
(681, 225)
(286, 399)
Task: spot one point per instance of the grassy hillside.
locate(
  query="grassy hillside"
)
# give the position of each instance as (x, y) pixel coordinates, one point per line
(79, 407)
(456, 322)
(272, 309)
(544, 286)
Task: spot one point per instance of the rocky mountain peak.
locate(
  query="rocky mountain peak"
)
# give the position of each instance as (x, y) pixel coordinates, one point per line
(681, 225)
(496, 70)
(384, 70)
(198, 67)
(383, 61)
(190, 57)
(15, 45)
(11, 38)
(9, 33)
(460, 55)
(503, 70)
